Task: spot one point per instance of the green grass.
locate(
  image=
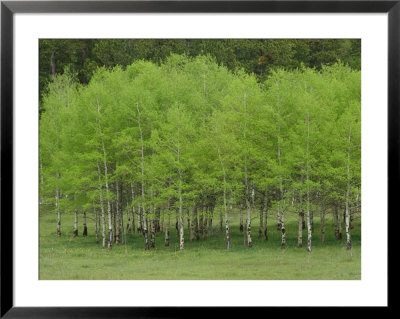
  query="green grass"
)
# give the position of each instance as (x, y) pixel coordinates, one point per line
(71, 258)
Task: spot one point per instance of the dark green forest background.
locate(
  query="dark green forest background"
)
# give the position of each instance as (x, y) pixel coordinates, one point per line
(83, 56)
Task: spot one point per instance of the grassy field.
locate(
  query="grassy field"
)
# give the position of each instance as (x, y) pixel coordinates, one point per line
(80, 258)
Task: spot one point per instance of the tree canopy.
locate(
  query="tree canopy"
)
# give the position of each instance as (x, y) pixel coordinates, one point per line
(181, 133)
(258, 56)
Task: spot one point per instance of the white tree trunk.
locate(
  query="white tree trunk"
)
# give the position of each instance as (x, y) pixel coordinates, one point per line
(248, 208)
(110, 233)
(247, 195)
(181, 234)
(58, 212)
(152, 222)
(300, 219)
(227, 232)
(227, 235)
(139, 219)
(132, 226)
(103, 217)
(76, 224)
(266, 215)
(281, 213)
(309, 227)
(118, 217)
(152, 234)
(143, 211)
(283, 231)
(167, 228)
(347, 214)
(300, 230)
(96, 228)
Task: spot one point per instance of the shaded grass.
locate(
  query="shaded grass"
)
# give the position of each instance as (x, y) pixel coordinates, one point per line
(66, 257)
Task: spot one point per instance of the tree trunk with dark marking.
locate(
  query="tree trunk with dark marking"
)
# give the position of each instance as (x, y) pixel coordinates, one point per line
(301, 221)
(261, 226)
(192, 225)
(122, 226)
(188, 223)
(139, 220)
(110, 238)
(309, 230)
(76, 224)
(205, 225)
(103, 217)
(248, 210)
(352, 209)
(322, 225)
(96, 229)
(162, 221)
(153, 233)
(196, 224)
(58, 211)
(133, 226)
(118, 217)
(166, 239)
(84, 225)
(128, 220)
(336, 222)
(181, 233)
(227, 232)
(283, 230)
(347, 203)
(300, 230)
(210, 219)
(340, 225)
(266, 215)
(143, 211)
(201, 222)
(248, 192)
(312, 221)
(241, 219)
(220, 221)
(278, 223)
(309, 213)
(351, 217)
(114, 225)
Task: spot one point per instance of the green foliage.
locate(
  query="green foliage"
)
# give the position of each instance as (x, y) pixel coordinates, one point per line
(189, 128)
(256, 56)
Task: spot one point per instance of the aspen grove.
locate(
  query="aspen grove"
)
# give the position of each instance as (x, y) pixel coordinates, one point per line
(176, 147)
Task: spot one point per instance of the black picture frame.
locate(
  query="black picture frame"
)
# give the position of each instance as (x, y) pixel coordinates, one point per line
(9, 8)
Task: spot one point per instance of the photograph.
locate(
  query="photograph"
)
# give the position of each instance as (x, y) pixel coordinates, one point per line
(199, 159)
